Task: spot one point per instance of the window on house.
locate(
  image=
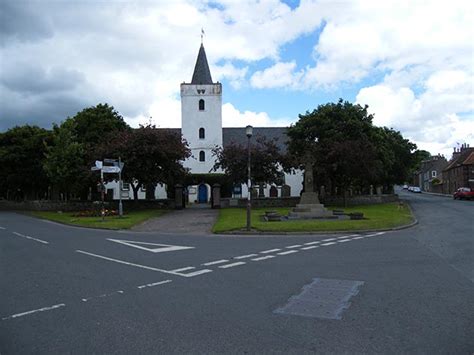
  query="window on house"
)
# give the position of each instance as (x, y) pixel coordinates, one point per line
(125, 186)
(202, 133)
(202, 156)
(201, 105)
(433, 173)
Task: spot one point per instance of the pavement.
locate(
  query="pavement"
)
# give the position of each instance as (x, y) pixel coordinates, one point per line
(195, 221)
(73, 290)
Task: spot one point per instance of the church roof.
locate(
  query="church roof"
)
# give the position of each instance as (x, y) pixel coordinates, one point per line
(237, 135)
(202, 74)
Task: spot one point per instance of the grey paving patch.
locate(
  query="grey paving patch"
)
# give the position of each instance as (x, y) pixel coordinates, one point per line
(322, 298)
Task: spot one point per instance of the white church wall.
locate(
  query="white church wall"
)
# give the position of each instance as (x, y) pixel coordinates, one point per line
(210, 119)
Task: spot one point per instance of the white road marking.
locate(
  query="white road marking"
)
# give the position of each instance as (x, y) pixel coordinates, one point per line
(2, 228)
(184, 269)
(344, 240)
(127, 263)
(287, 252)
(101, 296)
(28, 237)
(358, 237)
(196, 273)
(343, 237)
(264, 257)
(328, 240)
(154, 284)
(245, 256)
(269, 251)
(326, 244)
(232, 265)
(311, 247)
(293, 246)
(311, 243)
(35, 311)
(374, 234)
(162, 247)
(215, 262)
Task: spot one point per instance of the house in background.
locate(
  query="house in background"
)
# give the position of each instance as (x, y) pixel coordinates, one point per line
(460, 170)
(430, 174)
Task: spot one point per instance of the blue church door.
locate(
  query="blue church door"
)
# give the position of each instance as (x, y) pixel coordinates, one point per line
(202, 193)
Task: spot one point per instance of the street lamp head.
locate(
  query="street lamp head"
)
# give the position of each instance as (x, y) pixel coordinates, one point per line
(316, 139)
(249, 131)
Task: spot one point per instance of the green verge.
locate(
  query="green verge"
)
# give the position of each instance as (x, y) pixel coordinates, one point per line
(111, 222)
(381, 216)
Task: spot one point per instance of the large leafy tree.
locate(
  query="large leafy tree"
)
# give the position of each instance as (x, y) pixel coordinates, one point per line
(335, 138)
(22, 153)
(266, 161)
(150, 155)
(73, 151)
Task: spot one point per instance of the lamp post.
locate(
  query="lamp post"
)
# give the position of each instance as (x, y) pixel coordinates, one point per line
(248, 132)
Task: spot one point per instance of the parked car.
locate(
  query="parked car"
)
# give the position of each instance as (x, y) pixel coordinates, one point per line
(405, 187)
(416, 189)
(463, 193)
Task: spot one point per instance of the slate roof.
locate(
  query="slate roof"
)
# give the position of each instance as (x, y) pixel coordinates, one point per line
(463, 158)
(237, 135)
(202, 74)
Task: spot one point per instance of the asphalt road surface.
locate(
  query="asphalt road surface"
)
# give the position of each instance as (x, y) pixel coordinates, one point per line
(73, 290)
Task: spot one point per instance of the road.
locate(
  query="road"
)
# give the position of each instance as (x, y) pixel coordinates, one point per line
(73, 290)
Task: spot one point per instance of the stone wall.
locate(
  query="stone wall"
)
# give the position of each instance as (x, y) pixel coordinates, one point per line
(293, 201)
(48, 205)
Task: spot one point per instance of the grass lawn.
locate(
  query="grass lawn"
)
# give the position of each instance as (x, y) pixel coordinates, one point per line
(113, 222)
(379, 216)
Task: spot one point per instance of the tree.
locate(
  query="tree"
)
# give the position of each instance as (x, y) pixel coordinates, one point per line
(265, 161)
(151, 156)
(73, 151)
(336, 137)
(22, 153)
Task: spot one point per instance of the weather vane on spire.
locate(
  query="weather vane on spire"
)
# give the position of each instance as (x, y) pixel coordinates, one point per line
(202, 34)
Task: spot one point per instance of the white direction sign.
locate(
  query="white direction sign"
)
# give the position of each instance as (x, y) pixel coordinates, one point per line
(110, 169)
(156, 248)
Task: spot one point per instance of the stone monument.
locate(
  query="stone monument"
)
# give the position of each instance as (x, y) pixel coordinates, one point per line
(309, 206)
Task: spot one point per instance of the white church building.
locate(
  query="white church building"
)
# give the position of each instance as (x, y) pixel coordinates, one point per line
(201, 127)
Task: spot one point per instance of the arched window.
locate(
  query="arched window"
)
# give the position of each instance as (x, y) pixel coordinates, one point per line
(202, 133)
(202, 156)
(201, 105)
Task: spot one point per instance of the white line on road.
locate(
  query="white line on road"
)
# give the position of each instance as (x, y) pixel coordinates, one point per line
(293, 246)
(2, 228)
(264, 258)
(28, 237)
(344, 236)
(288, 252)
(311, 243)
(34, 311)
(154, 284)
(130, 264)
(328, 240)
(215, 262)
(184, 269)
(374, 234)
(196, 273)
(326, 244)
(269, 251)
(311, 247)
(232, 265)
(358, 237)
(344, 240)
(245, 256)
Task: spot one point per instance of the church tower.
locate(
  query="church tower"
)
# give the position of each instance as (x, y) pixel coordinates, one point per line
(201, 116)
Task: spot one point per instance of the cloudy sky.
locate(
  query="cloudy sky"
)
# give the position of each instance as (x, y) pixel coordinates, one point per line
(412, 62)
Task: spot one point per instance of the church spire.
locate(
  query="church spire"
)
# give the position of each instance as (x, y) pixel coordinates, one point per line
(202, 74)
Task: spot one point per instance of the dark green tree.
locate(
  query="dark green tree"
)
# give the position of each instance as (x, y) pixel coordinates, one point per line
(151, 156)
(265, 161)
(22, 153)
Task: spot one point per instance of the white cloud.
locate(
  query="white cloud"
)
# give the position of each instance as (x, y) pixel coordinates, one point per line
(279, 75)
(232, 117)
(236, 76)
